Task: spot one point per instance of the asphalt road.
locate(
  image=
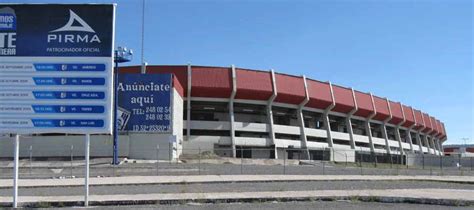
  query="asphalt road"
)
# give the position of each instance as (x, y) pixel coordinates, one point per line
(236, 187)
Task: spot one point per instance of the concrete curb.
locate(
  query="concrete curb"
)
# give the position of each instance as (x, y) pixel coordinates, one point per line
(140, 180)
(450, 197)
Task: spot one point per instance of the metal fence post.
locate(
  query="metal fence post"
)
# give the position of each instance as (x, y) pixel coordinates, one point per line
(31, 158)
(170, 152)
(459, 161)
(157, 158)
(324, 166)
(199, 163)
(284, 160)
(423, 159)
(407, 159)
(241, 160)
(391, 160)
(399, 162)
(346, 159)
(374, 157)
(333, 155)
(72, 159)
(441, 163)
(471, 163)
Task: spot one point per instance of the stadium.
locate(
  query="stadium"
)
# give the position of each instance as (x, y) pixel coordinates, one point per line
(264, 112)
(235, 112)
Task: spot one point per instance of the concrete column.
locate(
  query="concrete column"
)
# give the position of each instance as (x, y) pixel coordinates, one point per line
(349, 122)
(418, 140)
(270, 113)
(231, 110)
(425, 139)
(304, 141)
(397, 130)
(385, 136)
(367, 125)
(384, 128)
(188, 105)
(433, 145)
(410, 140)
(433, 141)
(440, 145)
(428, 143)
(399, 139)
(326, 118)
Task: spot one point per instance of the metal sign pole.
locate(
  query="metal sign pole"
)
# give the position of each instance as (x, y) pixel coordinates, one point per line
(15, 171)
(86, 177)
(115, 126)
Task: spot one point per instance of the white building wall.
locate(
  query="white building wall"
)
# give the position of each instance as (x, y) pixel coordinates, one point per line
(144, 145)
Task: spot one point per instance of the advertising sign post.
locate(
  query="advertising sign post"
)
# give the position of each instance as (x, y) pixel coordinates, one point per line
(56, 65)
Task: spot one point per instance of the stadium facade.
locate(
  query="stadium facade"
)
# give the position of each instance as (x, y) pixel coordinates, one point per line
(227, 109)
(234, 108)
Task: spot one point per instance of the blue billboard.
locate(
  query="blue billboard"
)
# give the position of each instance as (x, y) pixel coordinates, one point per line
(56, 30)
(56, 65)
(144, 103)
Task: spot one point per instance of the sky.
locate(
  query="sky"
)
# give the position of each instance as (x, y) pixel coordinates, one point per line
(417, 52)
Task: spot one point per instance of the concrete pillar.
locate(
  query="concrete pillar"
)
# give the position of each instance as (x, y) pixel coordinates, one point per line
(367, 125)
(399, 139)
(397, 130)
(231, 110)
(425, 139)
(270, 113)
(304, 140)
(326, 118)
(418, 140)
(440, 145)
(349, 122)
(435, 145)
(410, 140)
(385, 136)
(384, 128)
(188, 104)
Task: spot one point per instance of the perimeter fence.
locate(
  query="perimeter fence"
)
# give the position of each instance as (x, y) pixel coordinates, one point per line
(220, 161)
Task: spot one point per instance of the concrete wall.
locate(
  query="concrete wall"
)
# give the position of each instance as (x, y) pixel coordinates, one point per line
(342, 155)
(177, 121)
(144, 145)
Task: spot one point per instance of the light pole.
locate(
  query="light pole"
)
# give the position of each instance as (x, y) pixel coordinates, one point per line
(121, 55)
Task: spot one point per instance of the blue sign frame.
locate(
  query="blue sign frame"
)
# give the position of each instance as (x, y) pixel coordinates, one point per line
(56, 69)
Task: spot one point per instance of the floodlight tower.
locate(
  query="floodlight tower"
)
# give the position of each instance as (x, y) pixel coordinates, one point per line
(121, 55)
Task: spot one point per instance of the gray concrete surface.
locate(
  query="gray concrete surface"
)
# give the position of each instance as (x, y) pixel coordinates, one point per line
(425, 196)
(236, 187)
(295, 205)
(134, 180)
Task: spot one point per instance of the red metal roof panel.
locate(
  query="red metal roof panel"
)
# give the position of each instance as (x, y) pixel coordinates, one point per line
(253, 85)
(364, 104)
(290, 89)
(319, 94)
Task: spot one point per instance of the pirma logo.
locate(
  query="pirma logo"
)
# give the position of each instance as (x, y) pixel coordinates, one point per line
(74, 24)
